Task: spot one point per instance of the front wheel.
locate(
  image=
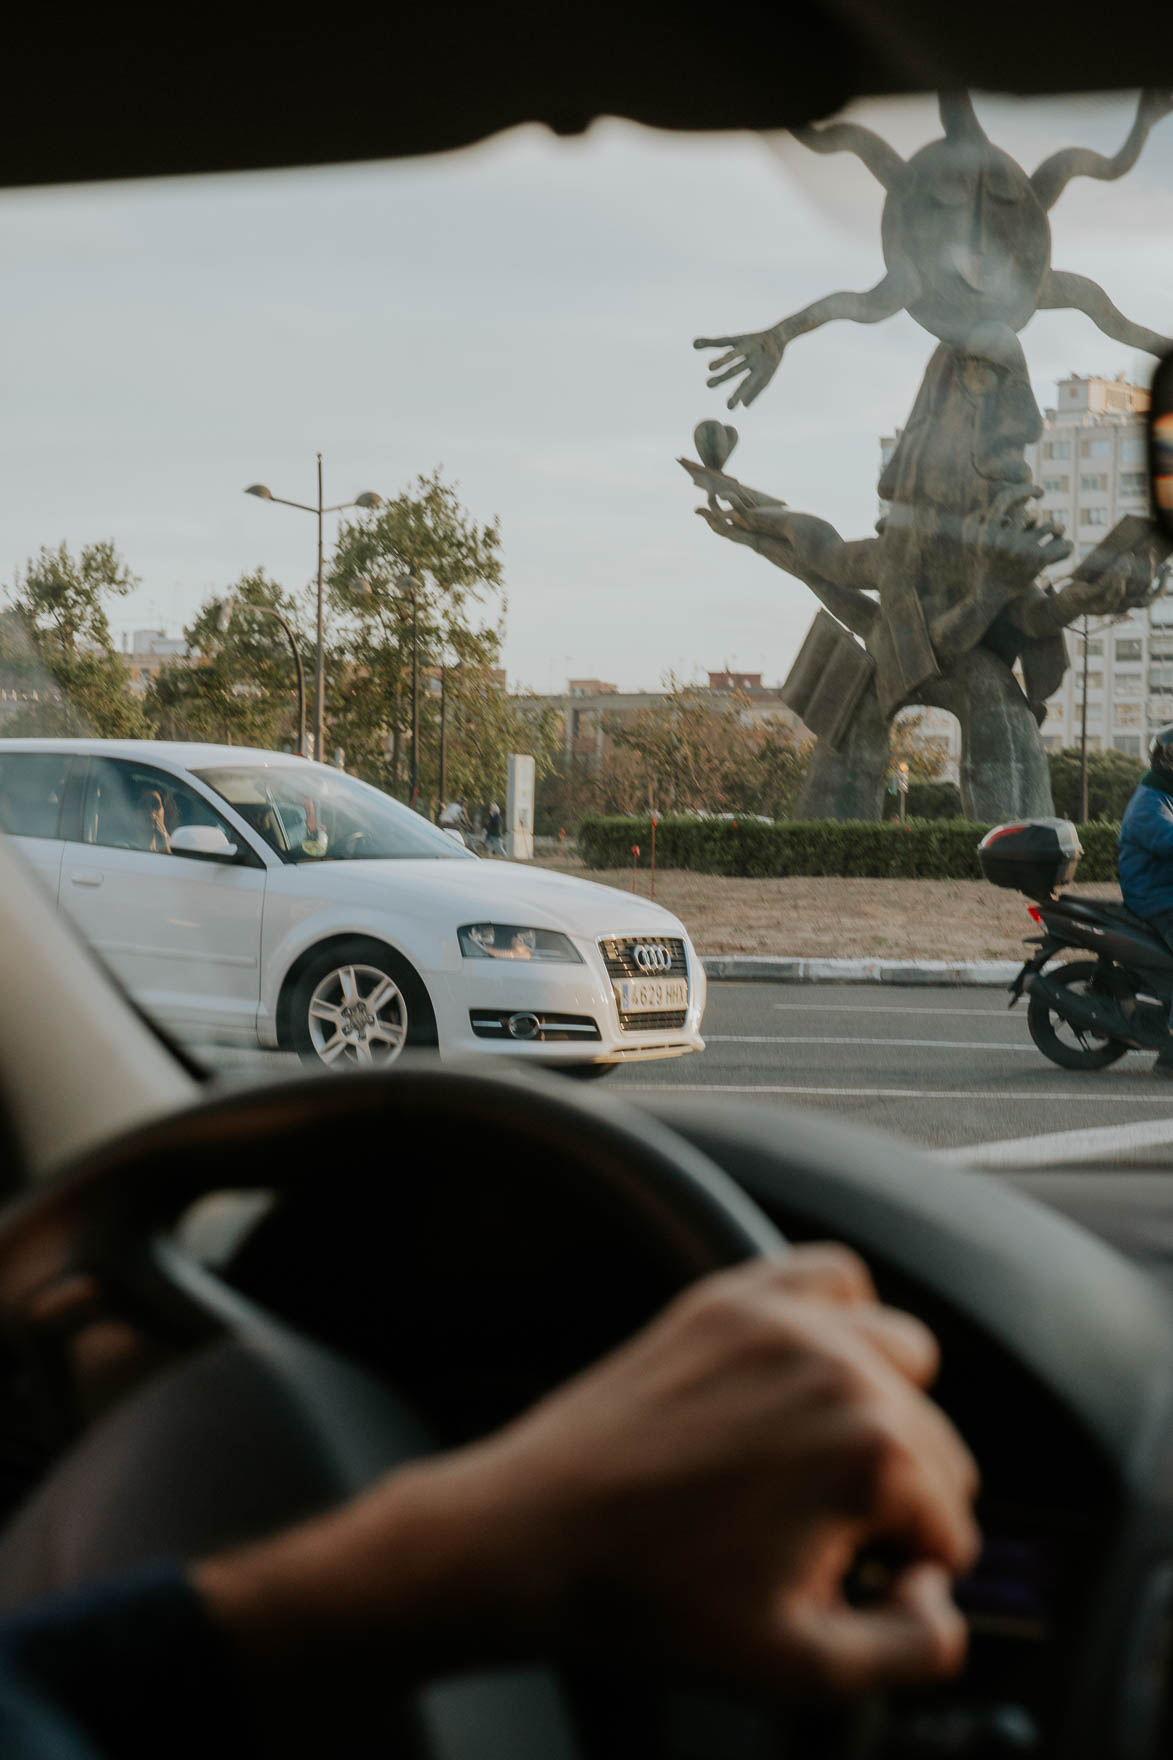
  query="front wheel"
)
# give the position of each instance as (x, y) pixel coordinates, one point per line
(358, 1004)
(1069, 1046)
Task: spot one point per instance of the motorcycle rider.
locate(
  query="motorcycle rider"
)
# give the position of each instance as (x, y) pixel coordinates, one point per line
(1145, 858)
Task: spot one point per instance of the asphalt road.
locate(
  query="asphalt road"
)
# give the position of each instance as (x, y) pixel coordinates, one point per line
(944, 1067)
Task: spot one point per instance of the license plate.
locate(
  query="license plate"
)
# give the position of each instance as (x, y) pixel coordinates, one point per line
(651, 995)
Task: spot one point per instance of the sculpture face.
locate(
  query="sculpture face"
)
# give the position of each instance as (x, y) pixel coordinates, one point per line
(965, 437)
(965, 218)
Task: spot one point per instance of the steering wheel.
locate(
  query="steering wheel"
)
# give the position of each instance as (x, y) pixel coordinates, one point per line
(200, 1406)
(236, 1422)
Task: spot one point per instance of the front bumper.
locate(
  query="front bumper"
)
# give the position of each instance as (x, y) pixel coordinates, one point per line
(565, 1000)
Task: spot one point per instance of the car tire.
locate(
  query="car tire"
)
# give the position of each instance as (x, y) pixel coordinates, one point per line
(357, 1004)
(1097, 1052)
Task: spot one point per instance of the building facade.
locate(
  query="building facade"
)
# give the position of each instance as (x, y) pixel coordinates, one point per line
(1091, 467)
(590, 706)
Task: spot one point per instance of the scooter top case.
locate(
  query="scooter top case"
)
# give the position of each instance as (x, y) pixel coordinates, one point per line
(1031, 855)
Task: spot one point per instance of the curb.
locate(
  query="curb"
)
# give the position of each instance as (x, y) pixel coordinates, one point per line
(768, 969)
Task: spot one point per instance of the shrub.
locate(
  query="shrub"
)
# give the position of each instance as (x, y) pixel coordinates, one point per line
(922, 849)
(927, 800)
(1111, 779)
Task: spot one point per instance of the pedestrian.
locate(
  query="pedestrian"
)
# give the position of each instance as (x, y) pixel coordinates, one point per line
(455, 818)
(493, 844)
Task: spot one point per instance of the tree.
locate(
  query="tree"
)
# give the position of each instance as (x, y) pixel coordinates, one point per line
(925, 754)
(1111, 778)
(55, 641)
(452, 616)
(695, 755)
(238, 684)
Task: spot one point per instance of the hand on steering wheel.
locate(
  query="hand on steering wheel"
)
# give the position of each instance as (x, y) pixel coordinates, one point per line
(699, 1497)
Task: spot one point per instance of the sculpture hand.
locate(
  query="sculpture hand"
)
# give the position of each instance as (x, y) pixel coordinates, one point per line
(727, 523)
(756, 355)
(1008, 545)
(1100, 598)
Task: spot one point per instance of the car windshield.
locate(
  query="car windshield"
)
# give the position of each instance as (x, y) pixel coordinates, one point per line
(716, 535)
(306, 814)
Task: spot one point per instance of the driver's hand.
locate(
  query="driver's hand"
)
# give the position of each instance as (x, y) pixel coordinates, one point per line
(699, 1498)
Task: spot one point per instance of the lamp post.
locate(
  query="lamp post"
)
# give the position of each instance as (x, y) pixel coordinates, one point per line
(1083, 734)
(224, 618)
(367, 499)
(1082, 636)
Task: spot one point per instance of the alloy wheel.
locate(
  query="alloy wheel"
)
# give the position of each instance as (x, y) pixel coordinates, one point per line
(357, 1016)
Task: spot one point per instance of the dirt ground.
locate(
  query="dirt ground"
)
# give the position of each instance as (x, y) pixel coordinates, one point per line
(888, 919)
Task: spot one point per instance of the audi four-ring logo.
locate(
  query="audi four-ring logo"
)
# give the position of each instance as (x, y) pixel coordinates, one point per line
(652, 958)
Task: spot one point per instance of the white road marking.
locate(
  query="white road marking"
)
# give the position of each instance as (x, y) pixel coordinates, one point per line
(919, 1044)
(998, 1094)
(1064, 1148)
(892, 1008)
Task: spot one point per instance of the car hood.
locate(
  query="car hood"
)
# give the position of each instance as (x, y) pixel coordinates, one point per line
(487, 891)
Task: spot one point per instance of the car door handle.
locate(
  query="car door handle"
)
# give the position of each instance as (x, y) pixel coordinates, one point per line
(86, 877)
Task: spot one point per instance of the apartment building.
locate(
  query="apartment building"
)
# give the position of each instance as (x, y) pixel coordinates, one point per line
(146, 652)
(1090, 465)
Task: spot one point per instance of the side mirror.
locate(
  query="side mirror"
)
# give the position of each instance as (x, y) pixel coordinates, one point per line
(1161, 444)
(205, 842)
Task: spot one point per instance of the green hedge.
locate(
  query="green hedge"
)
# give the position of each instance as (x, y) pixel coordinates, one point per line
(924, 849)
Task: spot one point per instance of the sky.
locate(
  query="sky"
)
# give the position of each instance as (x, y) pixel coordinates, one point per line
(520, 314)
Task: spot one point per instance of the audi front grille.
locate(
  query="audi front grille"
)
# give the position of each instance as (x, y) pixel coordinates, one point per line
(667, 1020)
(620, 961)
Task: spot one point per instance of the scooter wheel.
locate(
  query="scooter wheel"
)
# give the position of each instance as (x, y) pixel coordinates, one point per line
(1070, 1047)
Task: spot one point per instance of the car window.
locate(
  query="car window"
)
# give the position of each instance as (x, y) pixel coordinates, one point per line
(754, 486)
(135, 806)
(32, 788)
(311, 815)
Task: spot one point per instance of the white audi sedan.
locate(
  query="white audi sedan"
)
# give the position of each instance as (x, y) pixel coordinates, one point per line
(257, 898)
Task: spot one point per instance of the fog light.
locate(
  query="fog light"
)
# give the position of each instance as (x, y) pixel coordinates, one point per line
(524, 1026)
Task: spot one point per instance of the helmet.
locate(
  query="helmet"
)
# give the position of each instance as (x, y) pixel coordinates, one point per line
(1161, 752)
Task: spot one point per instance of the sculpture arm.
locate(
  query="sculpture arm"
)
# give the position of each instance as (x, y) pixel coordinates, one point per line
(883, 161)
(1062, 289)
(757, 354)
(1040, 613)
(1054, 174)
(807, 548)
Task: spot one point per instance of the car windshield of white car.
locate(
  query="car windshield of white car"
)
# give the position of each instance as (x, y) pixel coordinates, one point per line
(309, 815)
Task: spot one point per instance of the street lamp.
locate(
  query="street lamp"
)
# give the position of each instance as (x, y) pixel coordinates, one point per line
(224, 617)
(366, 500)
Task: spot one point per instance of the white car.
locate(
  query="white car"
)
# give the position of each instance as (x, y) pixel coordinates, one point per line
(254, 897)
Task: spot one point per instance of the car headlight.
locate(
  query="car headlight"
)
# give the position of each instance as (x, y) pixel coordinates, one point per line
(514, 941)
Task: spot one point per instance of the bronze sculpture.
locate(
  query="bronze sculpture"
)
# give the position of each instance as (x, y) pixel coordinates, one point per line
(943, 605)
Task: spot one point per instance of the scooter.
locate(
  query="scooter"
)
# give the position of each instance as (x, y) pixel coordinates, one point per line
(1082, 1013)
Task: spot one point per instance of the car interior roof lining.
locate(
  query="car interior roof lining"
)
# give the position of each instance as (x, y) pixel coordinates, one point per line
(129, 103)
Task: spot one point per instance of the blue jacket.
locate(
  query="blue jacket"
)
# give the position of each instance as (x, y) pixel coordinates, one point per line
(1145, 859)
